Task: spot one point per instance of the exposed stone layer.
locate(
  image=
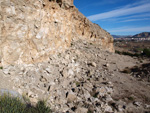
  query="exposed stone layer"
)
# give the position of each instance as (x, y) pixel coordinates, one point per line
(31, 30)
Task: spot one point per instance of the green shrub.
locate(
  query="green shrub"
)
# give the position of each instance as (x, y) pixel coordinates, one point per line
(146, 52)
(42, 108)
(131, 98)
(118, 52)
(11, 105)
(15, 105)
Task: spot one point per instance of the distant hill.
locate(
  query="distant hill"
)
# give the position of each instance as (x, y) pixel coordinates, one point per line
(142, 35)
(121, 36)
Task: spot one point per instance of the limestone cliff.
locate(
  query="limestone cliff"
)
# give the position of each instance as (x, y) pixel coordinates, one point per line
(31, 30)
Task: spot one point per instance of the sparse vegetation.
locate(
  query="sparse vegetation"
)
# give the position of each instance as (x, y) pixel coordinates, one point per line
(96, 95)
(59, 55)
(127, 70)
(10, 104)
(146, 53)
(128, 53)
(77, 84)
(146, 99)
(88, 79)
(133, 48)
(131, 98)
(141, 72)
(89, 111)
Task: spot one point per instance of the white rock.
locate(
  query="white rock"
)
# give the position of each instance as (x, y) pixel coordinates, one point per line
(94, 64)
(81, 110)
(71, 97)
(108, 109)
(137, 104)
(87, 94)
(7, 69)
(70, 72)
(147, 106)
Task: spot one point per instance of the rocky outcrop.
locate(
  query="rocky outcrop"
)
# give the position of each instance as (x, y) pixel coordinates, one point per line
(31, 30)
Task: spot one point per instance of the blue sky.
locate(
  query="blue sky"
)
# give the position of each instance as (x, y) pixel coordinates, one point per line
(119, 17)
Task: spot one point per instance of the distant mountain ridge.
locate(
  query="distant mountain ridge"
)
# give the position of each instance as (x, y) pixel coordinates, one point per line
(140, 35)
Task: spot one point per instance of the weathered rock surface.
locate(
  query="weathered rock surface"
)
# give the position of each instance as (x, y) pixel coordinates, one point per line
(31, 30)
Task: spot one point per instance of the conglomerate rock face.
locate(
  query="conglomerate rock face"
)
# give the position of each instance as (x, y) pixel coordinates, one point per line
(31, 30)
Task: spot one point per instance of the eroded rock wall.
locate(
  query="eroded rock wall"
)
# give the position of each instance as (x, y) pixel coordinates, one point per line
(31, 30)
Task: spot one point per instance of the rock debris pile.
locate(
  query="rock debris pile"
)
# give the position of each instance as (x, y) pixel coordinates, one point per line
(70, 81)
(74, 81)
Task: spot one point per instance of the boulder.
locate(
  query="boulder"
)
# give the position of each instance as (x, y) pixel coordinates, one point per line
(10, 93)
(71, 97)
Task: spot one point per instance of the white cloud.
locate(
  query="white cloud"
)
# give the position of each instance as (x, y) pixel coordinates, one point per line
(138, 16)
(129, 20)
(125, 11)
